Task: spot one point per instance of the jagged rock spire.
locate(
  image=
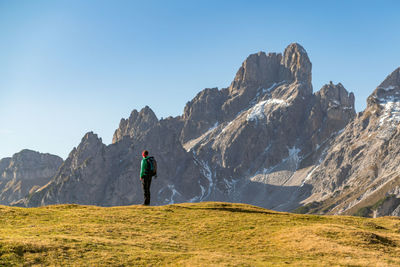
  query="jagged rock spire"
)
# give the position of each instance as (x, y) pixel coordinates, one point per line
(263, 69)
(388, 90)
(138, 123)
(297, 65)
(258, 69)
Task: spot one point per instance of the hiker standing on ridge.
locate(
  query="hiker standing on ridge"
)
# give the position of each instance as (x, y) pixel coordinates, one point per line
(147, 170)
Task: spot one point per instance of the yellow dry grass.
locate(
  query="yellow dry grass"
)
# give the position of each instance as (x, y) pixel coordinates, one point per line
(203, 234)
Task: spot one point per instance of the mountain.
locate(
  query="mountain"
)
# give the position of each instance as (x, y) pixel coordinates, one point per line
(254, 142)
(360, 172)
(25, 172)
(273, 130)
(104, 175)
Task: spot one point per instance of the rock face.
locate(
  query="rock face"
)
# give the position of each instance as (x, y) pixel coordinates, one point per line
(297, 66)
(335, 106)
(24, 173)
(272, 129)
(138, 124)
(254, 142)
(258, 73)
(359, 173)
(104, 175)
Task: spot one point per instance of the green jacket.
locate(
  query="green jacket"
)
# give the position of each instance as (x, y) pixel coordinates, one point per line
(144, 168)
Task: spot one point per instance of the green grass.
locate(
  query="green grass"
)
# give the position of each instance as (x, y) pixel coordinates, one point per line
(203, 234)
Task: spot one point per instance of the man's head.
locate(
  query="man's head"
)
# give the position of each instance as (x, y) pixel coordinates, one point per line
(145, 153)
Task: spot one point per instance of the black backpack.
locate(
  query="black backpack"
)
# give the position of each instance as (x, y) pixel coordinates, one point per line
(152, 166)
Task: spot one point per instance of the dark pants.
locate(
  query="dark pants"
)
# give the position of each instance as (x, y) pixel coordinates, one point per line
(146, 181)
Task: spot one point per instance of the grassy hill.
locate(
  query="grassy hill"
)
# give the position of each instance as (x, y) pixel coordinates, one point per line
(200, 234)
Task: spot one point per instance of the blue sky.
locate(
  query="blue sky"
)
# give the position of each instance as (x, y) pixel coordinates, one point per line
(69, 67)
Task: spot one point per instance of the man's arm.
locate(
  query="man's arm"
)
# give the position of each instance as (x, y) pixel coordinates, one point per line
(143, 167)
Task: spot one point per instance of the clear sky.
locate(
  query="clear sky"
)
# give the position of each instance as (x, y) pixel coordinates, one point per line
(69, 67)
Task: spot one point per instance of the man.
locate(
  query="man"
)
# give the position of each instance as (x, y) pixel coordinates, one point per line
(145, 177)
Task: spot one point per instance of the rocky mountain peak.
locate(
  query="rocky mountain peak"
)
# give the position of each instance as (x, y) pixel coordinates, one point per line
(392, 81)
(25, 153)
(386, 96)
(297, 65)
(90, 145)
(90, 141)
(388, 90)
(333, 110)
(4, 162)
(147, 115)
(25, 171)
(336, 95)
(262, 70)
(24, 156)
(261, 77)
(258, 69)
(136, 124)
(29, 159)
(91, 138)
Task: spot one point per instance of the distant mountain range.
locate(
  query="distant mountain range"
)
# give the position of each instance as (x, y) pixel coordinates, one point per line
(266, 140)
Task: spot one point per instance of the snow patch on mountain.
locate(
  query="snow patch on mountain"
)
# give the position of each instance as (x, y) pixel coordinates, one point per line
(391, 111)
(258, 111)
(391, 87)
(174, 193)
(231, 185)
(226, 127)
(199, 198)
(262, 91)
(206, 171)
(309, 175)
